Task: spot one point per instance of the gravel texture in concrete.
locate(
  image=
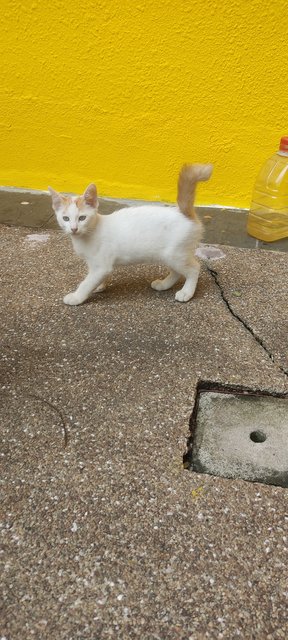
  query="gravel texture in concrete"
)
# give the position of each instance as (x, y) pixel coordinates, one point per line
(104, 533)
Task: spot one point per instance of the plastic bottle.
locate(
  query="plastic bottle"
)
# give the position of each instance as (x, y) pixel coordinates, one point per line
(268, 215)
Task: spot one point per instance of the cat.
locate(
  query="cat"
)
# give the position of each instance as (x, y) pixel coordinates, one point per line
(148, 233)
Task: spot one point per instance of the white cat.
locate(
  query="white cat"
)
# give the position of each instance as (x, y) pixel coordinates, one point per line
(148, 233)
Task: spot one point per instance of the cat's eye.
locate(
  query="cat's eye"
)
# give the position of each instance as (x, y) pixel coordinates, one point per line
(81, 218)
(66, 218)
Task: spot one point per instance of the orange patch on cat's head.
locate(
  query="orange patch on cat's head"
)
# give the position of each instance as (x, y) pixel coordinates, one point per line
(89, 198)
(66, 200)
(80, 203)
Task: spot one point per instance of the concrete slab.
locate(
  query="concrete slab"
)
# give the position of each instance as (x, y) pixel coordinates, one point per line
(241, 436)
(110, 536)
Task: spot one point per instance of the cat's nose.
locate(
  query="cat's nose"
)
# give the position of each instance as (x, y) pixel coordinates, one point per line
(74, 229)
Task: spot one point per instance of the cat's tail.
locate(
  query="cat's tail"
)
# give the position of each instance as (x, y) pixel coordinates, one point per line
(189, 175)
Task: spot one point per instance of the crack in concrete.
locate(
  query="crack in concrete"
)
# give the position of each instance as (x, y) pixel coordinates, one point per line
(259, 340)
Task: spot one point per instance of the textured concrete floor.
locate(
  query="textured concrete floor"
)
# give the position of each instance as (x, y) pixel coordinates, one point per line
(104, 534)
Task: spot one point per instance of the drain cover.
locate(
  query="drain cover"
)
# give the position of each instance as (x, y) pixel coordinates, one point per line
(240, 435)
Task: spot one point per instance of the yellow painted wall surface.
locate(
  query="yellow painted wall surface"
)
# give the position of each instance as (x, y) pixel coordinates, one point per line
(124, 92)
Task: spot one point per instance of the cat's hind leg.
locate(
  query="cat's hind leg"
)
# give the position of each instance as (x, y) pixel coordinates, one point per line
(191, 273)
(166, 283)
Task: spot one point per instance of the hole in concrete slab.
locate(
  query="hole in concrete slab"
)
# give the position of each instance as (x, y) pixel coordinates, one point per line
(258, 436)
(225, 424)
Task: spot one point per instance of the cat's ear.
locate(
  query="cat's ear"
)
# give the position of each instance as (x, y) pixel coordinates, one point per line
(90, 196)
(57, 201)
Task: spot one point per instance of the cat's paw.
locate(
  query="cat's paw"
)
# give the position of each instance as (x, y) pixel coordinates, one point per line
(72, 299)
(101, 287)
(182, 296)
(158, 285)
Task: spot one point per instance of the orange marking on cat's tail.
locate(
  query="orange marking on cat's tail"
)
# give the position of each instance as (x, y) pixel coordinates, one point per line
(189, 175)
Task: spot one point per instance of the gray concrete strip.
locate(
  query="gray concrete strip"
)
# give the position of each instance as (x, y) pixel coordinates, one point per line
(108, 536)
(33, 208)
(26, 209)
(222, 225)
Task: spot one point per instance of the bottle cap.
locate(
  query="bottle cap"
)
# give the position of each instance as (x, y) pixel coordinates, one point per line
(284, 144)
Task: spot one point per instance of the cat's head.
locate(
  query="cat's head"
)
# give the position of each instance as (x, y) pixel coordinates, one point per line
(76, 215)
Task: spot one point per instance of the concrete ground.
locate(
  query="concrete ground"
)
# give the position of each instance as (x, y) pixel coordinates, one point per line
(105, 534)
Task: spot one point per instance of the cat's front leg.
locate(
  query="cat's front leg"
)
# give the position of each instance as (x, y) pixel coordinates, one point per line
(72, 298)
(93, 280)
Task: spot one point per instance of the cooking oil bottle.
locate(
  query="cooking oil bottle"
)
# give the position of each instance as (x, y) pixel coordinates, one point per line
(268, 215)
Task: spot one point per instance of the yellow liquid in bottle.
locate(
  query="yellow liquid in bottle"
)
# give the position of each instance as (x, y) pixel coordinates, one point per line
(268, 215)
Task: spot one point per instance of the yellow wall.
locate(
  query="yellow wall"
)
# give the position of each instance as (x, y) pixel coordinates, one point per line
(123, 92)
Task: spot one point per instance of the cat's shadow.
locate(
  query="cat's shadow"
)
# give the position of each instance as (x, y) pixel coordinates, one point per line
(128, 289)
(138, 288)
